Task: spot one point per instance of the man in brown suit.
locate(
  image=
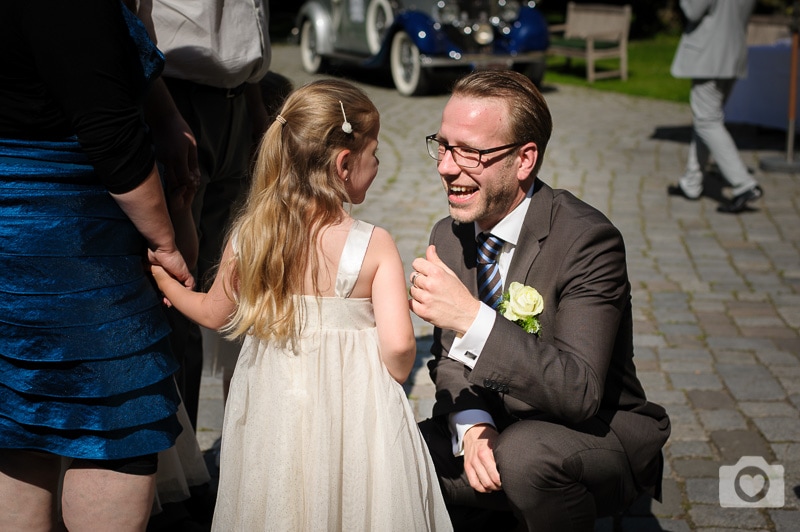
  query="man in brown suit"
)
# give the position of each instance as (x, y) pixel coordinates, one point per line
(555, 425)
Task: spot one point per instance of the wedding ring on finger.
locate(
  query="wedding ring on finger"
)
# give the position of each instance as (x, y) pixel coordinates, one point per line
(414, 279)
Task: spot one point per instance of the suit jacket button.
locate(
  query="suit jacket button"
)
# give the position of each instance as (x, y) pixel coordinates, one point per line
(487, 383)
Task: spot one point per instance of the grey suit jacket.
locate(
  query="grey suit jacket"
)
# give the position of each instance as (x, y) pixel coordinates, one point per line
(713, 45)
(581, 364)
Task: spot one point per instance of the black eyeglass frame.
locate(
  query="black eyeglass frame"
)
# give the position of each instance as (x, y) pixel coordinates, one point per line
(450, 148)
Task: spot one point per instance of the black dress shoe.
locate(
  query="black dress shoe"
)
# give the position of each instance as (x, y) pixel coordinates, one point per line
(676, 190)
(739, 203)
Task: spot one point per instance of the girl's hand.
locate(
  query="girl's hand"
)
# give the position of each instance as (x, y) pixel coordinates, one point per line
(172, 261)
(163, 279)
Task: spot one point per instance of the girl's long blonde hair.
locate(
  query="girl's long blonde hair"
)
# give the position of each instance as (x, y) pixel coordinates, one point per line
(295, 193)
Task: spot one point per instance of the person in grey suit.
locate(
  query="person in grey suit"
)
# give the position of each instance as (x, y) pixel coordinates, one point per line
(713, 53)
(553, 426)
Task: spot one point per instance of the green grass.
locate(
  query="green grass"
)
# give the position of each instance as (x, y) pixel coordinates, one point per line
(648, 71)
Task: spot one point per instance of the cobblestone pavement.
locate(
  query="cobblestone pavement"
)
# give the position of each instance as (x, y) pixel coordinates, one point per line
(716, 296)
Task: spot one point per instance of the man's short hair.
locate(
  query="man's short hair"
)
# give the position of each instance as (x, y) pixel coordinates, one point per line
(530, 119)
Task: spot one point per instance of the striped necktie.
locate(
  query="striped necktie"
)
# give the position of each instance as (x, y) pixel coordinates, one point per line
(489, 282)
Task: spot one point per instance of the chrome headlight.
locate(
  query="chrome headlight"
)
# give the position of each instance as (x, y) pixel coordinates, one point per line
(509, 10)
(446, 12)
(483, 33)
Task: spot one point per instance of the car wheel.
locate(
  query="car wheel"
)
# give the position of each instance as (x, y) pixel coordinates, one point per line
(407, 73)
(313, 63)
(379, 18)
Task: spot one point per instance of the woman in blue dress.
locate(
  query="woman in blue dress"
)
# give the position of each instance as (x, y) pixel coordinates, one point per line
(85, 368)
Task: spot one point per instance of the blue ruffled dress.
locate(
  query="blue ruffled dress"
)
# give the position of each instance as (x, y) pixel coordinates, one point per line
(85, 363)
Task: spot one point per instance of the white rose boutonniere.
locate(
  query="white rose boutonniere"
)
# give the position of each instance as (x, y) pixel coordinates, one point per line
(522, 304)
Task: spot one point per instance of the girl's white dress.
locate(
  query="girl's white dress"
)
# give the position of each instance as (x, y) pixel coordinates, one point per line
(317, 436)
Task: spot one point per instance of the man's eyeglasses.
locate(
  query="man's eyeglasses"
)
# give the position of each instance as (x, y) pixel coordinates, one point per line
(463, 156)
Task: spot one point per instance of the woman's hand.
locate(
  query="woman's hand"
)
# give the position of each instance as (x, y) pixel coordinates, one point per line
(171, 263)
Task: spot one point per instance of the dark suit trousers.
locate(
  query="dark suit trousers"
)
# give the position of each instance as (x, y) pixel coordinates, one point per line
(554, 477)
(223, 132)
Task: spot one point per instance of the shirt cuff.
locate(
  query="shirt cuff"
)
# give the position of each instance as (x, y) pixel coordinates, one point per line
(468, 348)
(461, 422)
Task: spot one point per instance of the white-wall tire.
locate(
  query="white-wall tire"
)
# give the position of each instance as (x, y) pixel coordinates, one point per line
(407, 72)
(379, 18)
(309, 57)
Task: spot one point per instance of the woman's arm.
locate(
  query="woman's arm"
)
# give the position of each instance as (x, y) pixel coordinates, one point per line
(390, 301)
(212, 309)
(146, 207)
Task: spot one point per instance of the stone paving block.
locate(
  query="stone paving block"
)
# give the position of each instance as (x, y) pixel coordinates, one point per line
(769, 409)
(696, 468)
(789, 380)
(652, 380)
(710, 399)
(691, 381)
(722, 420)
(689, 449)
(787, 452)
(683, 354)
(725, 356)
(705, 515)
(733, 444)
(776, 357)
(687, 366)
(785, 520)
(687, 432)
(779, 429)
(750, 383)
(666, 397)
(709, 310)
(734, 343)
(767, 332)
(702, 490)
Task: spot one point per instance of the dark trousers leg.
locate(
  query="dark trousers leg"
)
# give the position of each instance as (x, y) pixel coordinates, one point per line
(222, 129)
(186, 343)
(555, 478)
(468, 509)
(562, 478)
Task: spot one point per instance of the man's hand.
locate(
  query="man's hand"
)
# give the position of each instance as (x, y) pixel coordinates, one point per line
(479, 464)
(175, 143)
(439, 297)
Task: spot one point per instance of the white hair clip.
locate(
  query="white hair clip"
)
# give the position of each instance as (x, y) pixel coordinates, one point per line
(347, 127)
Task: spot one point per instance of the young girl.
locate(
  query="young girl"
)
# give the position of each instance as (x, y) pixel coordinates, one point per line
(318, 433)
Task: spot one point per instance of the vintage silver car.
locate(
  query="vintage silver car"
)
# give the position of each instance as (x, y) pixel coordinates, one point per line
(416, 39)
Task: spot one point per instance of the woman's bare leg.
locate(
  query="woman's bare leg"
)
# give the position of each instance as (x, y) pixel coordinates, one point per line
(101, 499)
(28, 487)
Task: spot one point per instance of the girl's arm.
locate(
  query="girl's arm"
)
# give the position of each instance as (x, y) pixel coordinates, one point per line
(212, 309)
(390, 301)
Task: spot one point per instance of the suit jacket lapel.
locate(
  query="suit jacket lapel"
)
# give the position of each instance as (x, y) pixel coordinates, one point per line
(466, 269)
(535, 229)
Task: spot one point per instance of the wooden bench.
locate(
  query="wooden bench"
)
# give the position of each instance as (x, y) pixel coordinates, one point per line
(768, 29)
(591, 32)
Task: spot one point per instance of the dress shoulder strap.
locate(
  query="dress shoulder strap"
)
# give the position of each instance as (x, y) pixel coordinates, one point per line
(355, 249)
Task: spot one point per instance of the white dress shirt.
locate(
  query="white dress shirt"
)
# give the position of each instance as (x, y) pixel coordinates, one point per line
(219, 43)
(467, 349)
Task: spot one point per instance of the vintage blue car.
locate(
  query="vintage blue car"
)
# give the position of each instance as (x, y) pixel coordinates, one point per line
(417, 39)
